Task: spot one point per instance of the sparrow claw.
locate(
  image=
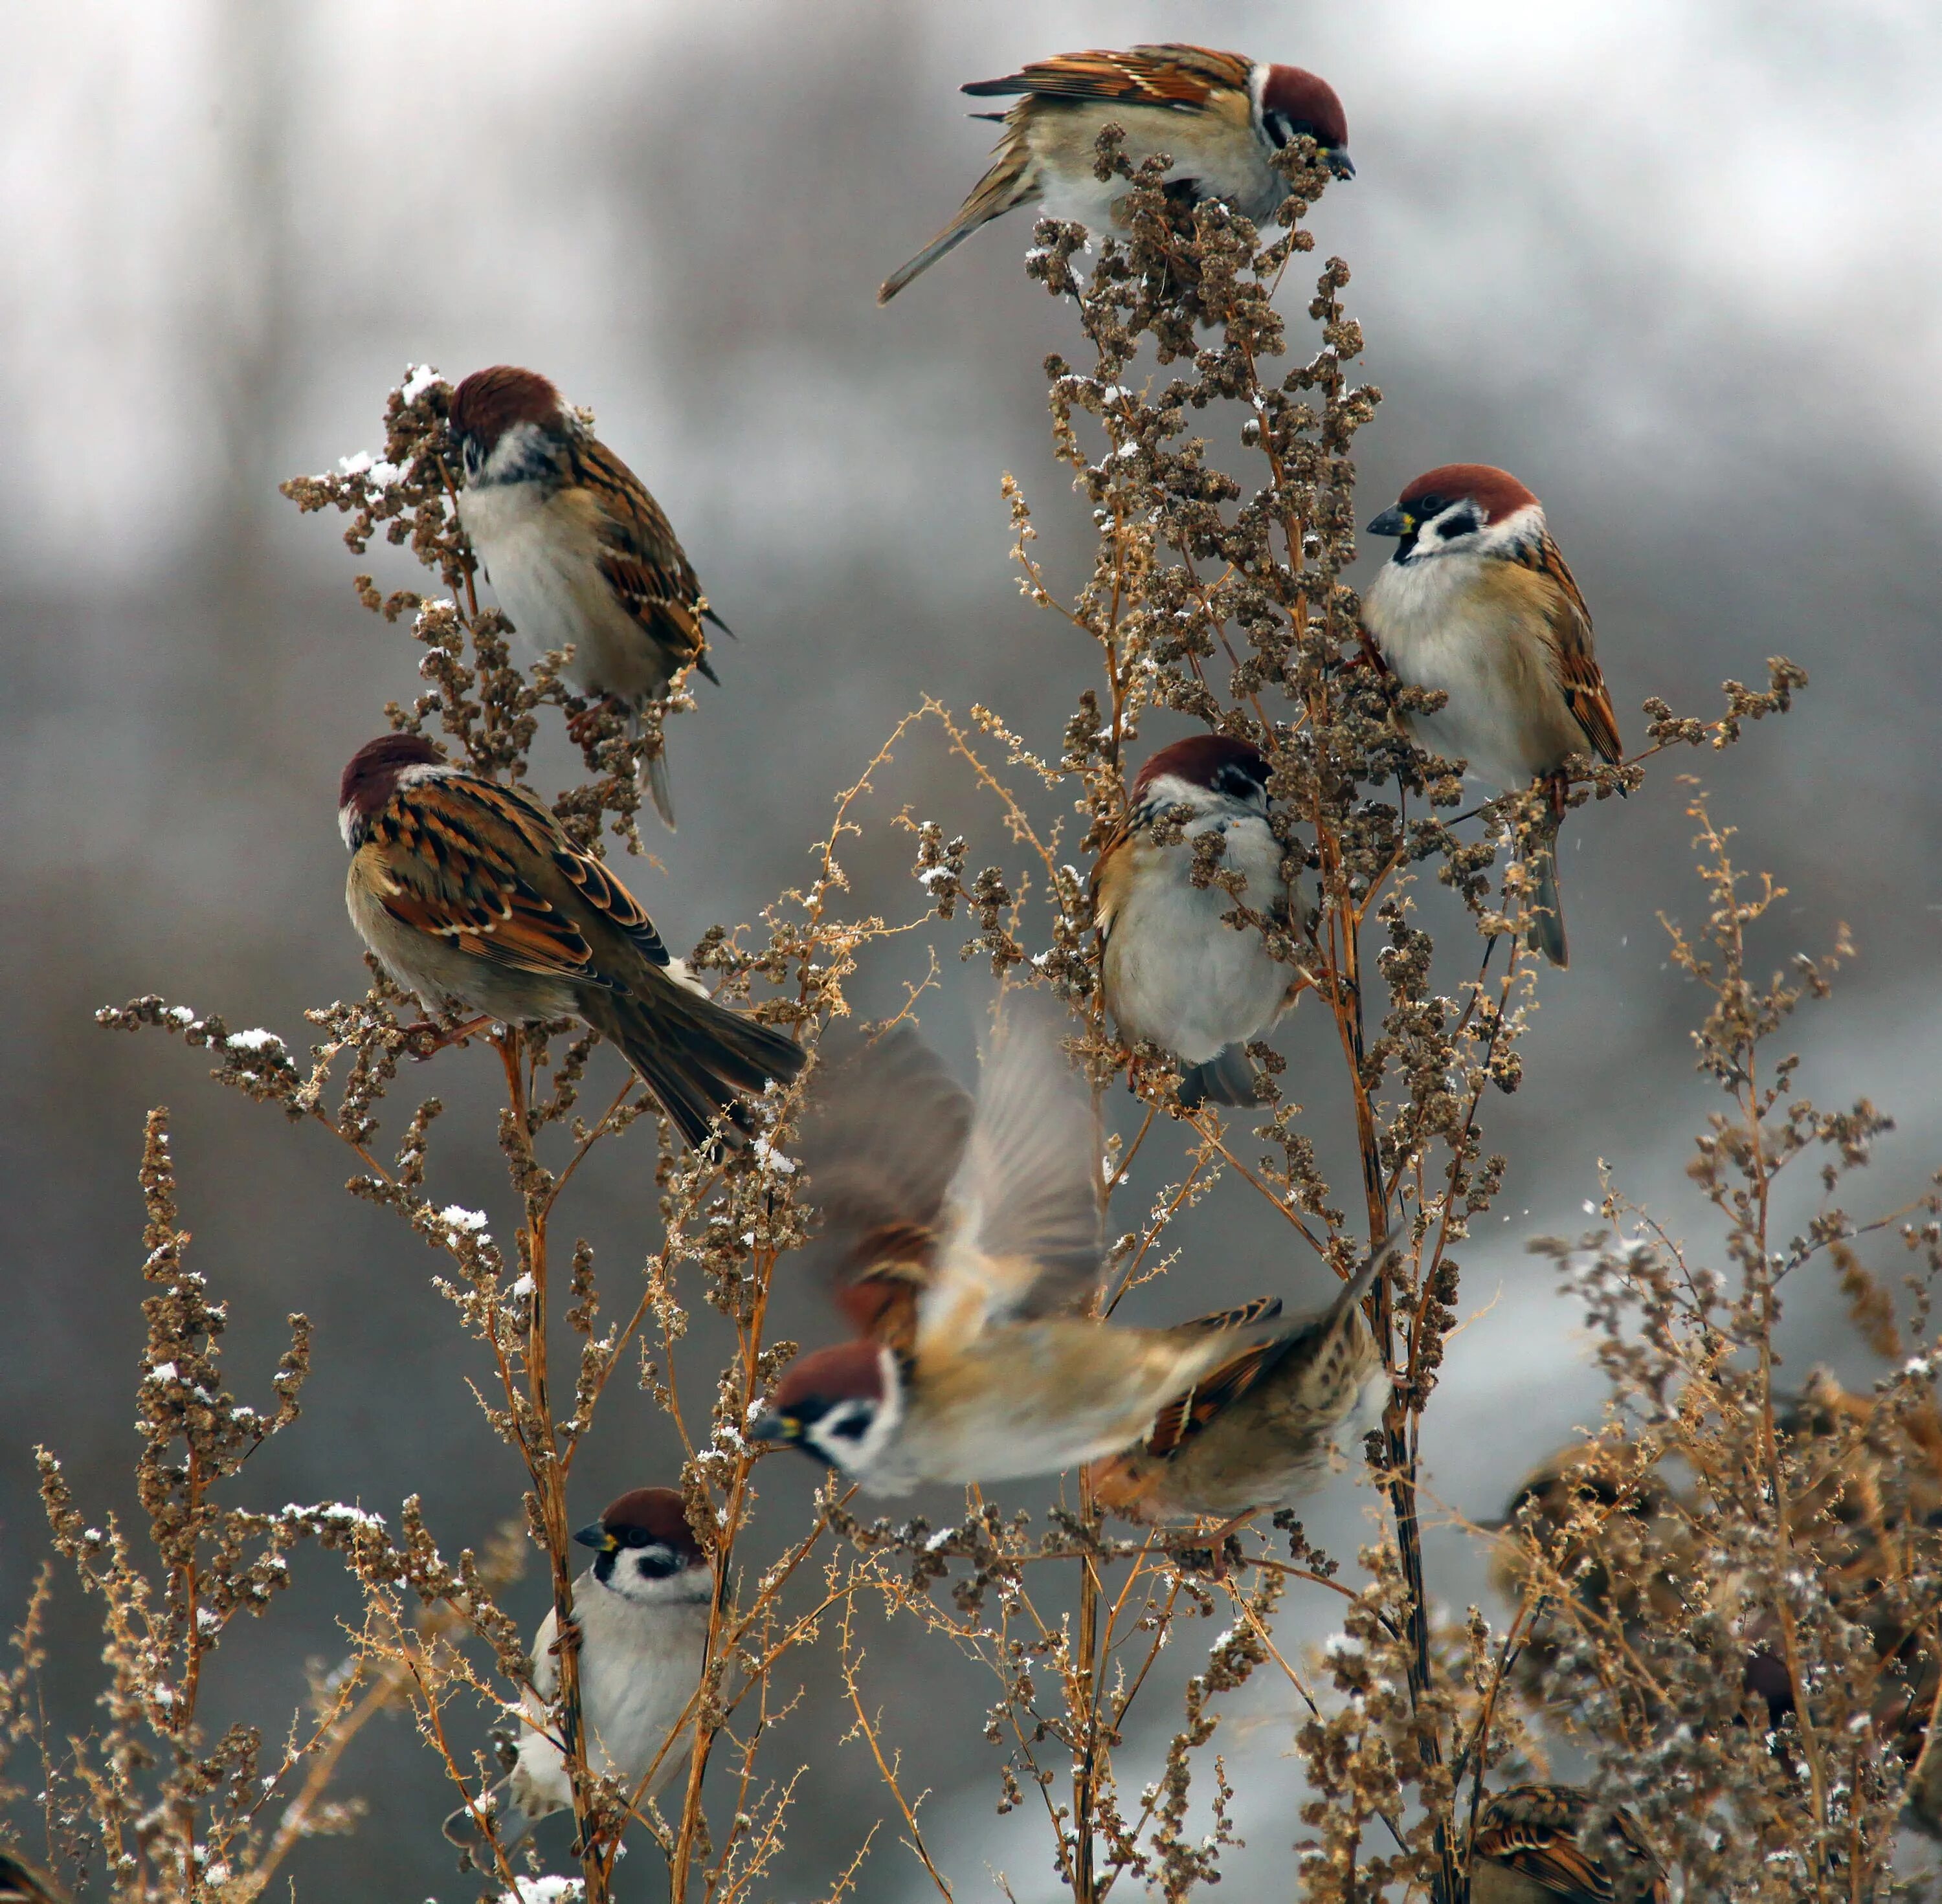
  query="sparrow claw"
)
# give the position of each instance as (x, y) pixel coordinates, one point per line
(426, 1040)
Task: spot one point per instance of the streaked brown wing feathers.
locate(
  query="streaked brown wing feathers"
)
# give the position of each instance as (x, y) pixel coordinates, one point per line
(641, 557)
(1578, 674)
(444, 850)
(1169, 74)
(1186, 1415)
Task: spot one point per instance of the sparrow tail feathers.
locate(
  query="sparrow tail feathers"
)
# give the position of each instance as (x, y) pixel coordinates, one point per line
(693, 1054)
(1004, 188)
(657, 785)
(1226, 1078)
(510, 1822)
(1545, 929)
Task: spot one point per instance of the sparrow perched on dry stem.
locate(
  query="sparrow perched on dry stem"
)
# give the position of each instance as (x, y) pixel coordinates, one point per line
(1533, 1846)
(575, 548)
(642, 1609)
(466, 890)
(1477, 601)
(22, 1882)
(1219, 117)
(970, 1243)
(1263, 1428)
(1171, 968)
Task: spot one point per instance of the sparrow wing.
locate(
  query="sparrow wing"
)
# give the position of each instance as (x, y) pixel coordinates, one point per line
(883, 1130)
(1538, 1831)
(1023, 1229)
(641, 557)
(1112, 878)
(1570, 630)
(1172, 75)
(466, 859)
(1548, 1859)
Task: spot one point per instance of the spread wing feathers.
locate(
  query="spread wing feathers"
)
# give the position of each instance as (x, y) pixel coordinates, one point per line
(446, 852)
(1186, 1415)
(1023, 1225)
(1170, 74)
(1578, 674)
(1262, 1308)
(642, 557)
(883, 1130)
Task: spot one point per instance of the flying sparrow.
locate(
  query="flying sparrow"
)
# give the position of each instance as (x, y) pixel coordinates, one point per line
(466, 890)
(1263, 1429)
(1173, 969)
(1220, 117)
(972, 1247)
(1477, 601)
(575, 548)
(643, 1610)
(1531, 1848)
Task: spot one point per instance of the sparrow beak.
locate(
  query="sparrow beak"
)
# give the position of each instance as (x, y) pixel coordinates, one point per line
(1338, 161)
(597, 1538)
(1393, 521)
(777, 1427)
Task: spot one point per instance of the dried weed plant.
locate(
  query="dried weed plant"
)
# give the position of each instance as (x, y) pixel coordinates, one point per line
(1764, 1712)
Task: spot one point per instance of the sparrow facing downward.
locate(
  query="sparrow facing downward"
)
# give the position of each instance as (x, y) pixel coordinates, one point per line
(643, 1610)
(1171, 969)
(1220, 117)
(971, 1238)
(1531, 1848)
(1263, 1429)
(575, 548)
(466, 889)
(1477, 601)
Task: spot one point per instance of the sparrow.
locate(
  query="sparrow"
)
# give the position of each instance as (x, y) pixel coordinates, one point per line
(22, 1883)
(466, 889)
(1477, 601)
(575, 548)
(1171, 968)
(643, 1610)
(1219, 117)
(1263, 1428)
(970, 1239)
(1531, 1848)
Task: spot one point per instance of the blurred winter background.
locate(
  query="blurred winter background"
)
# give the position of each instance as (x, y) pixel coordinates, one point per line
(1675, 267)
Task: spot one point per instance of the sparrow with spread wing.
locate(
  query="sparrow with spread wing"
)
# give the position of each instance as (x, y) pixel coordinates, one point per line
(1477, 601)
(576, 550)
(468, 890)
(1263, 1428)
(971, 1249)
(1220, 117)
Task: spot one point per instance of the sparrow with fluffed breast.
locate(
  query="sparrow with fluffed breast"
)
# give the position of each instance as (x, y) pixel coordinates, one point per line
(1264, 1428)
(970, 1243)
(1220, 117)
(1478, 602)
(576, 550)
(465, 890)
(643, 1609)
(1534, 1845)
(1171, 968)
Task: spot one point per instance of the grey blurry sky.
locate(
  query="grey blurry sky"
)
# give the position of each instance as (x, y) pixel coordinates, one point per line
(1677, 266)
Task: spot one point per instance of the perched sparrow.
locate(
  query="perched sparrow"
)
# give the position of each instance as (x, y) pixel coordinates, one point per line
(1173, 969)
(986, 1225)
(22, 1882)
(1477, 601)
(466, 889)
(1263, 1428)
(1531, 1848)
(1593, 1515)
(642, 1609)
(575, 548)
(1220, 117)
